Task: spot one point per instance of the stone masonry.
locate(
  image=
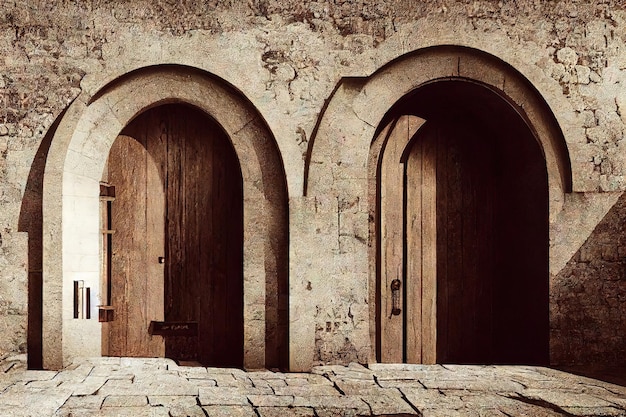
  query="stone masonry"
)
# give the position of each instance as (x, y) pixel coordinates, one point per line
(158, 387)
(287, 59)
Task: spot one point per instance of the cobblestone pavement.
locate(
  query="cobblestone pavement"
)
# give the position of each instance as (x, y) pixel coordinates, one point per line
(159, 387)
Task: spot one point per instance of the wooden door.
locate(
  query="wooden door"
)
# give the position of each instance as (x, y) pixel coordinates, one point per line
(394, 290)
(436, 228)
(460, 207)
(178, 215)
(136, 217)
(465, 242)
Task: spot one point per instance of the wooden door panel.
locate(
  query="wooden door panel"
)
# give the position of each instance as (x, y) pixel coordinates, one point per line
(392, 241)
(446, 202)
(469, 241)
(484, 158)
(181, 285)
(136, 285)
(421, 254)
(204, 240)
(156, 163)
(413, 276)
(429, 248)
(446, 245)
(123, 245)
(392, 236)
(179, 198)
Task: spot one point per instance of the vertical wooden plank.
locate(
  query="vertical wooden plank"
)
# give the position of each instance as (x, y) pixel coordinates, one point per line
(188, 285)
(177, 307)
(200, 222)
(128, 257)
(205, 239)
(442, 246)
(414, 253)
(136, 281)
(429, 250)
(374, 190)
(485, 256)
(392, 239)
(391, 178)
(200, 175)
(413, 239)
(156, 164)
(476, 172)
(454, 238)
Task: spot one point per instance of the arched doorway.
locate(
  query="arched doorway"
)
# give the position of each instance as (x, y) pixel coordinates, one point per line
(74, 194)
(346, 148)
(462, 209)
(174, 251)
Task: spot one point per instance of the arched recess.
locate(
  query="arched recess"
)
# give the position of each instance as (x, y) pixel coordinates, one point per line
(343, 150)
(71, 209)
(173, 245)
(31, 221)
(461, 230)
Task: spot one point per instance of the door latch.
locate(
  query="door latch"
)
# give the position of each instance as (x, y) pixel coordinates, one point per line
(396, 284)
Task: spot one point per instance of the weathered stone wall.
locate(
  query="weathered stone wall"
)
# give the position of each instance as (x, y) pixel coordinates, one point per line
(589, 294)
(287, 57)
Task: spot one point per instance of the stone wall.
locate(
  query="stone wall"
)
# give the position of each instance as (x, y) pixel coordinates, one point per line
(287, 57)
(589, 294)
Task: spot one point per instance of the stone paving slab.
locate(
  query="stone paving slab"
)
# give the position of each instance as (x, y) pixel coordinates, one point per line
(157, 387)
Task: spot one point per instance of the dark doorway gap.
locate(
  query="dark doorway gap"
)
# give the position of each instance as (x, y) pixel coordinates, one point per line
(518, 325)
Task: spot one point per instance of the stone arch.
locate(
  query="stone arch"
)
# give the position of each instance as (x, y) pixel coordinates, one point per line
(343, 152)
(31, 222)
(370, 98)
(74, 167)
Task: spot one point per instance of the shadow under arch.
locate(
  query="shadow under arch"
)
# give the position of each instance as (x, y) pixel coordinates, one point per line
(360, 106)
(74, 166)
(31, 221)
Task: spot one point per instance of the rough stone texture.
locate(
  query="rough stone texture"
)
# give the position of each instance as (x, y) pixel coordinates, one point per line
(287, 57)
(513, 391)
(588, 295)
(13, 291)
